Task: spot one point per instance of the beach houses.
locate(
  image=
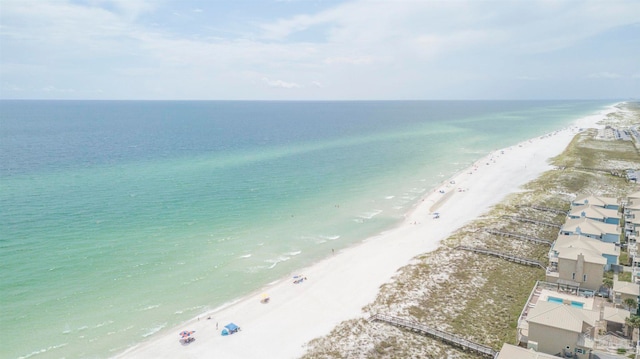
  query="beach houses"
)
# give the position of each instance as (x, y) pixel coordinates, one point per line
(577, 267)
(604, 202)
(608, 251)
(570, 322)
(564, 244)
(631, 217)
(557, 328)
(625, 290)
(605, 232)
(615, 319)
(595, 213)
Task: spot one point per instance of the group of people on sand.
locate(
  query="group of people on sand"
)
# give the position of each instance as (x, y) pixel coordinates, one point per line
(299, 279)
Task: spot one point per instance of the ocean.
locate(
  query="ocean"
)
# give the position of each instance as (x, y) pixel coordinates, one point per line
(122, 219)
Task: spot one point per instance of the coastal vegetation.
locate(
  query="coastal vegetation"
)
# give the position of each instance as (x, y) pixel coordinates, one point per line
(480, 297)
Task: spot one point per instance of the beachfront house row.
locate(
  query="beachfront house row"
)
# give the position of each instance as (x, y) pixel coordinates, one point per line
(604, 202)
(632, 218)
(631, 225)
(608, 251)
(587, 227)
(561, 329)
(595, 213)
(577, 267)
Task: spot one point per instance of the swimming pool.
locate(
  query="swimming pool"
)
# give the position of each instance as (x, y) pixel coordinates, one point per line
(560, 301)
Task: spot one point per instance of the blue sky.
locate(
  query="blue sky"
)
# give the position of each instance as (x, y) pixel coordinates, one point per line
(319, 50)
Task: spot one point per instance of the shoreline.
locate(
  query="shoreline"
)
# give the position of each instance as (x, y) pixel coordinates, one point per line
(340, 285)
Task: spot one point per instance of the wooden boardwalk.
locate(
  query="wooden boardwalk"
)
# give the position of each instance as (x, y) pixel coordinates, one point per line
(544, 223)
(443, 336)
(545, 209)
(505, 256)
(520, 236)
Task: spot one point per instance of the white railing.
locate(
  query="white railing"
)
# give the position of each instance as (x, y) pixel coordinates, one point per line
(586, 341)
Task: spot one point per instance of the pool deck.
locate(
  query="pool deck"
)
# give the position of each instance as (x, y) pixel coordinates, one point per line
(543, 290)
(567, 297)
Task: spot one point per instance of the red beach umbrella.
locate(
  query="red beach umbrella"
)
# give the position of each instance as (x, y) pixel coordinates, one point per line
(186, 333)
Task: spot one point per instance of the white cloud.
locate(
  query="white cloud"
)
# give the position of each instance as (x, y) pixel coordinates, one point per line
(526, 78)
(132, 9)
(280, 83)
(362, 48)
(604, 75)
(51, 88)
(351, 60)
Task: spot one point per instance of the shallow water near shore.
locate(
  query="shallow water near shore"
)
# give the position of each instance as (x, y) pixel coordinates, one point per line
(121, 219)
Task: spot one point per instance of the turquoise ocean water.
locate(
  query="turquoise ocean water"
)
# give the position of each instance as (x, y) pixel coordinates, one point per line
(121, 219)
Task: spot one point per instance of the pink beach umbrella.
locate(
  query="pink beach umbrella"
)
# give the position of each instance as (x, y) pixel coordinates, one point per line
(186, 333)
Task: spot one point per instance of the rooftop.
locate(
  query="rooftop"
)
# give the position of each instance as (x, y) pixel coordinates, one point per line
(509, 351)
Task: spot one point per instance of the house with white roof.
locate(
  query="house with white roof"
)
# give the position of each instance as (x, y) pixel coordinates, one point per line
(625, 290)
(605, 232)
(604, 202)
(561, 328)
(632, 205)
(608, 251)
(634, 195)
(509, 351)
(595, 213)
(615, 319)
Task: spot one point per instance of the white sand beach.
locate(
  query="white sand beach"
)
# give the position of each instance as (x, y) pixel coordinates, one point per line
(338, 287)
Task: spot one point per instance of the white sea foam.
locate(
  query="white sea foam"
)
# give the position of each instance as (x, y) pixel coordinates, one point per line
(369, 215)
(246, 256)
(104, 323)
(153, 306)
(254, 269)
(294, 253)
(42, 351)
(389, 197)
(331, 238)
(154, 330)
(274, 262)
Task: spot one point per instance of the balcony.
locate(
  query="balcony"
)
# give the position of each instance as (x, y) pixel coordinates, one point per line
(586, 341)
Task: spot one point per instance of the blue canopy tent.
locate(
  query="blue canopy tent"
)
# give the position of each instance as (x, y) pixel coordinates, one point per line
(230, 329)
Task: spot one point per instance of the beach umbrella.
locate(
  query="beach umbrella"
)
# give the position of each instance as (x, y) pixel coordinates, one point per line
(186, 333)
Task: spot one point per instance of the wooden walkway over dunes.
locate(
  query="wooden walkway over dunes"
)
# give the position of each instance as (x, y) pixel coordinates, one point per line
(443, 336)
(545, 209)
(519, 236)
(505, 256)
(544, 223)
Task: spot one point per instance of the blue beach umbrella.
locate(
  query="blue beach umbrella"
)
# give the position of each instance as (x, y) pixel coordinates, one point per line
(186, 333)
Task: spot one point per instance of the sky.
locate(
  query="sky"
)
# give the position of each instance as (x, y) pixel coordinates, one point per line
(319, 50)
